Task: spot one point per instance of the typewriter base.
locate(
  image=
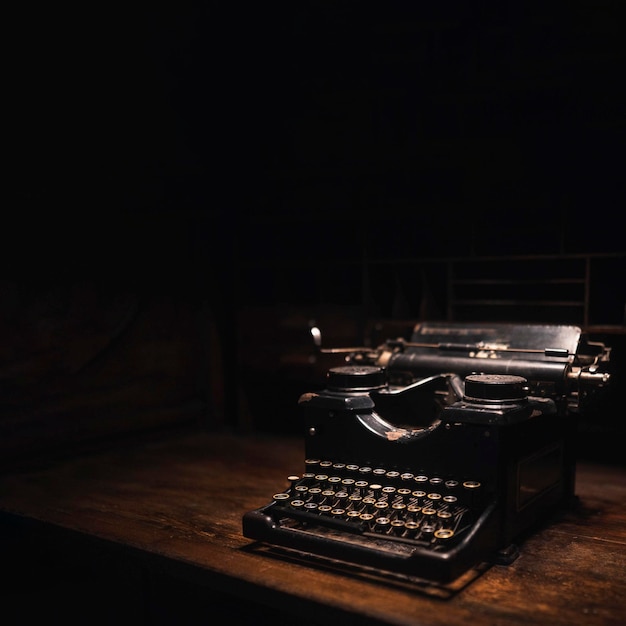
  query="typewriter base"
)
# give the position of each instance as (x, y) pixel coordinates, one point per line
(507, 555)
(378, 551)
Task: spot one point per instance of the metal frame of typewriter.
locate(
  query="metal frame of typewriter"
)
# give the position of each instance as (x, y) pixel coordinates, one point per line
(430, 456)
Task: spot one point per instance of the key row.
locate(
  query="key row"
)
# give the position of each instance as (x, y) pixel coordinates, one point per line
(421, 523)
(352, 505)
(469, 491)
(370, 493)
(349, 472)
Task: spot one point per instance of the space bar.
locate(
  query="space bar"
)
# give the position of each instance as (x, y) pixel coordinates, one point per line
(319, 519)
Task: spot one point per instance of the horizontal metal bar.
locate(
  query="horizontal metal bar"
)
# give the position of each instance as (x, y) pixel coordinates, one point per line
(517, 303)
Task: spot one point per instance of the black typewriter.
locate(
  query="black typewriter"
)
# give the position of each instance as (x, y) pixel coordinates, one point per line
(430, 456)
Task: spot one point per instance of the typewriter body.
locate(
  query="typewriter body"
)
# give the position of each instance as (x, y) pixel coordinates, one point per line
(430, 456)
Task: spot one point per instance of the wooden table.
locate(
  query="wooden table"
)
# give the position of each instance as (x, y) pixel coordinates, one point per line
(150, 532)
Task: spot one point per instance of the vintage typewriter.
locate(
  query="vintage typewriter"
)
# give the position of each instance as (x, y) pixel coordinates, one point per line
(429, 456)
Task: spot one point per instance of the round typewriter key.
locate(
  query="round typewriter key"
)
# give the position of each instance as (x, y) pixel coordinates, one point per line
(353, 514)
(366, 517)
(339, 466)
(311, 462)
(444, 514)
(397, 525)
(281, 497)
(392, 475)
(444, 533)
(321, 477)
(365, 471)
(326, 464)
(308, 476)
(310, 506)
(413, 508)
(421, 479)
(293, 478)
(436, 481)
(450, 499)
(411, 525)
(314, 491)
(472, 489)
(361, 484)
(434, 496)
(324, 508)
(379, 471)
(348, 482)
(381, 505)
(355, 499)
(429, 511)
(342, 496)
(388, 490)
(328, 493)
(352, 467)
(407, 476)
(334, 480)
(404, 492)
(398, 506)
(419, 494)
(375, 489)
(297, 504)
(382, 522)
(301, 489)
(451, 484)
(471, 485)
(338, 512)
(369, 505)
(428, 530)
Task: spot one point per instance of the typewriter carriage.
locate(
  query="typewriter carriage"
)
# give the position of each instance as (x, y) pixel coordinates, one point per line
(559, 361)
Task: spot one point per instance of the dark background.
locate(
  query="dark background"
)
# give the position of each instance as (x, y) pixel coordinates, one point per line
(490, 131)
(183, 180)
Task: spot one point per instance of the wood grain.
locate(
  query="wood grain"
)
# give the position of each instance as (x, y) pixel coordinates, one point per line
(177, 505)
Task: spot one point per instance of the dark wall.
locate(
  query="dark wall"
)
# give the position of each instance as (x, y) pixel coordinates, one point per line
(446, 130)
(222, 156)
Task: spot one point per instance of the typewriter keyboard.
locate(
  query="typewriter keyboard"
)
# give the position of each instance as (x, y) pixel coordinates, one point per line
(428, 510)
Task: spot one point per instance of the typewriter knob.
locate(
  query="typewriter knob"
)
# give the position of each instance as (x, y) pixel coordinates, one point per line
(495, 388)
(356, 378)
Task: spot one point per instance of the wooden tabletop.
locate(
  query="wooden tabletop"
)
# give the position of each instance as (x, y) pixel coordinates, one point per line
(178, 504)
